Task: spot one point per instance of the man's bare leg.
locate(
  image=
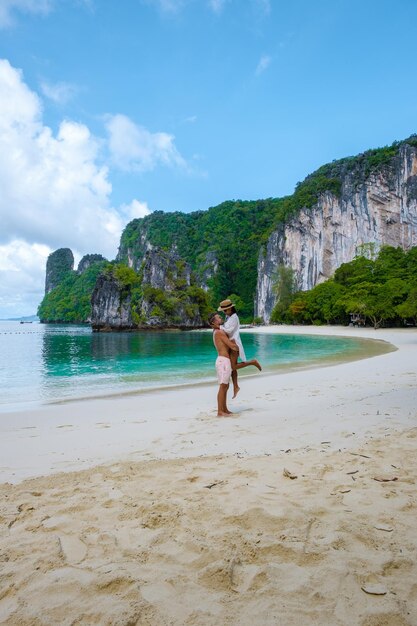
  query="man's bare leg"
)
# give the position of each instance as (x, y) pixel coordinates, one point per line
(222, 410)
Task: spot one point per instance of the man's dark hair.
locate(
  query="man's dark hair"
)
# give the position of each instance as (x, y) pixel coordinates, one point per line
(233, 310)
(211, 318)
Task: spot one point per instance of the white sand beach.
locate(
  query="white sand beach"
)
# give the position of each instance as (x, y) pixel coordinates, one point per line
(148, 509)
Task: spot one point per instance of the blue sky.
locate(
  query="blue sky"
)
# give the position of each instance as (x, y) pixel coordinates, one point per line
(113, 109)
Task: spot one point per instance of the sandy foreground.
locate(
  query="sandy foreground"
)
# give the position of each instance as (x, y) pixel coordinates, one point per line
(300, 510)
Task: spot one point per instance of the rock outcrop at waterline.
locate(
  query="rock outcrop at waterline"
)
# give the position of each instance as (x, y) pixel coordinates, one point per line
(110, 306)
(162, 295)
(374, 207)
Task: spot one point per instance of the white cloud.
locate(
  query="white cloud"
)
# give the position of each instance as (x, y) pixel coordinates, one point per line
(133, 210)
(134, 148)
(22, 277)
(53, 189)
(263, 64)
(54, 193)
(8, 8)
(60, 93)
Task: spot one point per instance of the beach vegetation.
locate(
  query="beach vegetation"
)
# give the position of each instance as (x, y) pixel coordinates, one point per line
(283, 287)
(258, 321)
(172, 306)
(407, 310)
(381, 290)
(128, 281)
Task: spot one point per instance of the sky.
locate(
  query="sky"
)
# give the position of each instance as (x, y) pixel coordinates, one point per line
(111, 110)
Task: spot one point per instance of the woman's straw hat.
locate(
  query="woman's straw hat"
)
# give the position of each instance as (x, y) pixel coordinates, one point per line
(225, 304)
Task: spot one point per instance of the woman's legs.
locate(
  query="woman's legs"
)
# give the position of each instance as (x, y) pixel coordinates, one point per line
(253, 362)
(238, 366)
(234, 363)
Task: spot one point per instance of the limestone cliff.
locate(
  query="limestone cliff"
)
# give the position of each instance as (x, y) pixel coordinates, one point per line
(377, 206)
(169, 296)
(208, 269)
(58, 265)
(68, 292)
(88, 260)
(162, 294)
(110, 305)
(165, 270)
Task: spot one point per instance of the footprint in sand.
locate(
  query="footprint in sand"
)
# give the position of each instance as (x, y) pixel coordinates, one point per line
(73, 549)
(205, 416)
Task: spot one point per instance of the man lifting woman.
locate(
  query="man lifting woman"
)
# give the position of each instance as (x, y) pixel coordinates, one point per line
(226, 337)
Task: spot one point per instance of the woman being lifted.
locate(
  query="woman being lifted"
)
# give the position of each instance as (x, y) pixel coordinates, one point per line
(231, 327)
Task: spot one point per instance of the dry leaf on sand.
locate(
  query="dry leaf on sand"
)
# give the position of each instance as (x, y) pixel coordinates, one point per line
(289, 474)
(387, 529)
(375, 589)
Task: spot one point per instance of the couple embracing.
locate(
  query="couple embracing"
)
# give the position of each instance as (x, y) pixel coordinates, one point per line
(229, 347)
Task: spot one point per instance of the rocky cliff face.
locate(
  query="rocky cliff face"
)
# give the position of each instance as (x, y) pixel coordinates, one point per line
(165, 270)
(163, 296)
(378, 208)
(88, 260)
(208, 270)
(110, 305)
(170, 276)
(58, 265)
(133, 255)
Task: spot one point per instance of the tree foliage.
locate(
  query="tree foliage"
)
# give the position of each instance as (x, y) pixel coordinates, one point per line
(381, 290)
(284, 286)
(59, 264)
(70, 301)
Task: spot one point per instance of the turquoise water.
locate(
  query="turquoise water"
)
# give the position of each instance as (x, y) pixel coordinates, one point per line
(43, 363)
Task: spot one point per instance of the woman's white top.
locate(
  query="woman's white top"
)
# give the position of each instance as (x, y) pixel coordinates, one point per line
(231, 328)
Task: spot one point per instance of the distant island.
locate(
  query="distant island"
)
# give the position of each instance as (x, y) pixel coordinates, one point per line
(24, 318)
(329, 253)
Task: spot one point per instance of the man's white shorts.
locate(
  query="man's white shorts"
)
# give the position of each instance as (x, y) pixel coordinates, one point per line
(223, 369)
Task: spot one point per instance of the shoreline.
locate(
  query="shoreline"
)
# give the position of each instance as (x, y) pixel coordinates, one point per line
(151, 510)
(275, 370)
(181, 422)
(369, 347)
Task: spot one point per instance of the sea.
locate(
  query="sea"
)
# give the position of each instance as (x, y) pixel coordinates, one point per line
(46, 363)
